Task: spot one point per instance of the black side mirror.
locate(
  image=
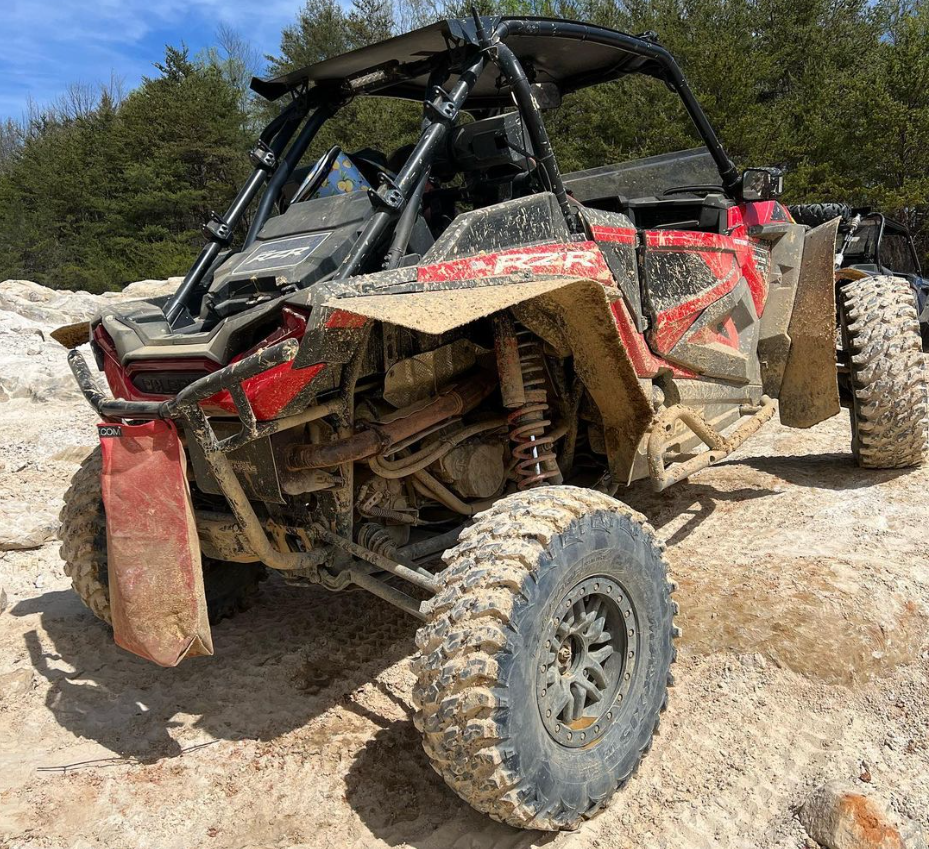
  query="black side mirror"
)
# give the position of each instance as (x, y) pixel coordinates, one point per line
(761, 183)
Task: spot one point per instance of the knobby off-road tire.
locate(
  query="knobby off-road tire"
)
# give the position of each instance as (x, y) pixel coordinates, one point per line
(814, 214)
(230, 587)
(534, 592)
(888, 387)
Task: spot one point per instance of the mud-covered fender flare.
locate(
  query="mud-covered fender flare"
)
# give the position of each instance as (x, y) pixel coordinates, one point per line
(572, 313)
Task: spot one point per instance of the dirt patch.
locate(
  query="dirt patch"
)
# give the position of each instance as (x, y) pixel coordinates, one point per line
(823, 618)
(803, 586)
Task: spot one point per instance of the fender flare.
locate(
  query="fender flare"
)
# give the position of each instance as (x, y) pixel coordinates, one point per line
(573, 314)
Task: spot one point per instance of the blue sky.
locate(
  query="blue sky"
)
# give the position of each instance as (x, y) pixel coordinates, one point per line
(48, 44)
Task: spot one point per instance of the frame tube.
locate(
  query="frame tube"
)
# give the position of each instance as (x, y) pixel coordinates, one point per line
(640, 47)
(283, 127)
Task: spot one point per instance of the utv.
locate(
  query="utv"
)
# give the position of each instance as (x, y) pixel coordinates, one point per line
(872, 245)
(458, 350)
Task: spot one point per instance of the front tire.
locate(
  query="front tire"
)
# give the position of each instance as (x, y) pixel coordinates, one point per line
(545, 662)
(886, 372)
(229, 587)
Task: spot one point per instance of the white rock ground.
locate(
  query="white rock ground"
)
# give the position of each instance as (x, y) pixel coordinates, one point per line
(804, 591)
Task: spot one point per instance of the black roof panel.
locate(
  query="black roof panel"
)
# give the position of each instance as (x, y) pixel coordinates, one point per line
(400, 66)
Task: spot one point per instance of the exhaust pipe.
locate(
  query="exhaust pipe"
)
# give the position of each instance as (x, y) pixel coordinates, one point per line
(377, 438)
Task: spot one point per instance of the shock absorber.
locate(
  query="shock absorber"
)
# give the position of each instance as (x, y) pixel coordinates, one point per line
(522, 384)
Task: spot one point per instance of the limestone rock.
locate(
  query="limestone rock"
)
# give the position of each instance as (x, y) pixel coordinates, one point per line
(841, 816)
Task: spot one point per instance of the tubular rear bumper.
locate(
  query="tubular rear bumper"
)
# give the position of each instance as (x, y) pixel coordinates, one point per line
(229, 379)
(185, 408)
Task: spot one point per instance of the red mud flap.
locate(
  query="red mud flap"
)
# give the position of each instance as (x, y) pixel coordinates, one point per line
(153, 553)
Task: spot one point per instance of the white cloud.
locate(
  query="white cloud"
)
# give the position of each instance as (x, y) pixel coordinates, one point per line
(51, 43)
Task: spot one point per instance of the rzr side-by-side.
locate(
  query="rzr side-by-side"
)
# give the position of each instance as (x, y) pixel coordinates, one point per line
(454, 350)
(872, 245)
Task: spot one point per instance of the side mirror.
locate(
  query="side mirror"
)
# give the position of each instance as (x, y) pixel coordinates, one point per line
(761, 183)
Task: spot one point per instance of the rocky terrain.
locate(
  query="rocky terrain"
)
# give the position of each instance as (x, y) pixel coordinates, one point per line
(804, 593)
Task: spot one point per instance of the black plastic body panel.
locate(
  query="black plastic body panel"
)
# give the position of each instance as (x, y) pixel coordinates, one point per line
(647, 177)
(532, 220)
(304, 244)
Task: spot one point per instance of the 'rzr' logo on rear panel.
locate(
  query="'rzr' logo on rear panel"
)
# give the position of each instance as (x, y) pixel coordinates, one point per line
(283, 253)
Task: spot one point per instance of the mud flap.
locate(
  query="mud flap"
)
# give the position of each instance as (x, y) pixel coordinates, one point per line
(153, 552)
(809, 393)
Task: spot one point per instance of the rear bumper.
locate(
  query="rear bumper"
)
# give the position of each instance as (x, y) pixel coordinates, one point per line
(185, 409)
(227, 379)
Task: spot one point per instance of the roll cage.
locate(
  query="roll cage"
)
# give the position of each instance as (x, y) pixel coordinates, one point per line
(419, 65)
(873, 249)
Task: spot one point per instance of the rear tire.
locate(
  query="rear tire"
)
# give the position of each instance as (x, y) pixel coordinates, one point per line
(545, 662)
(887, 372)
(814, 214)
(230, 587)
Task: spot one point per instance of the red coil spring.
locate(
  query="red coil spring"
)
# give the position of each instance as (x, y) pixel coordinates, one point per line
(536, 462)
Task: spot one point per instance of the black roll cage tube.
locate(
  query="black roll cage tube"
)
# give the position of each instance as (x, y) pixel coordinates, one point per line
(900, 230)
(440, 110)
(674, 76)
(218, 230)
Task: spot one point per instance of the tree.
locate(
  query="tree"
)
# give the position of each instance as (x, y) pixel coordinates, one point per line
(323, 30)
(99, 192)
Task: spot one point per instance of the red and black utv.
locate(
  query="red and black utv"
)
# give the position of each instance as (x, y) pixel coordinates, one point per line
(458, 351)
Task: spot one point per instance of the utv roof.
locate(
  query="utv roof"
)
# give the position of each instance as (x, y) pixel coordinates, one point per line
(400, 67)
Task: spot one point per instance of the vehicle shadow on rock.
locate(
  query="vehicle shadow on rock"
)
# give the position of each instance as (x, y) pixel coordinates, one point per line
(276, 667)
(835, 471)
(695, 501)
(394, 791)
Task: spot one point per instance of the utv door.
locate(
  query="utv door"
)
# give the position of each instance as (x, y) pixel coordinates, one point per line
(703, 293)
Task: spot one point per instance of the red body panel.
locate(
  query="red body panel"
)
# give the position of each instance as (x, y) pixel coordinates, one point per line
(269, 393)
(728, 259)
(581, 259)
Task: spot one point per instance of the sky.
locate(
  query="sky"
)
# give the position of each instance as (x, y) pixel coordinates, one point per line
(49, 44)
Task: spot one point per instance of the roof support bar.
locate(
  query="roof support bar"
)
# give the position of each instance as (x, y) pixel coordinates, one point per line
(538, 135)
(640, 47)
(397, 195)
(219, 232)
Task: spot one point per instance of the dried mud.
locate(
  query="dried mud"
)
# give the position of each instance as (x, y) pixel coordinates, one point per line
(804, 587)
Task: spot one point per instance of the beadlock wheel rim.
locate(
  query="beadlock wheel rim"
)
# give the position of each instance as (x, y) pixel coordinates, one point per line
(586, 660)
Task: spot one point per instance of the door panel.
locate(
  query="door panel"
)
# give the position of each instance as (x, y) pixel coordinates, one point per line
(704, 295)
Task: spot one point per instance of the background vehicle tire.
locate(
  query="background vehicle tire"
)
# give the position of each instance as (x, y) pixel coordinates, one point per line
(814, 214)
(887, 372)
(230, 587)
(547, 588)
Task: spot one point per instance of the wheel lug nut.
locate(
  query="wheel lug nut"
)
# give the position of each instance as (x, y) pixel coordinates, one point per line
(548, 713)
